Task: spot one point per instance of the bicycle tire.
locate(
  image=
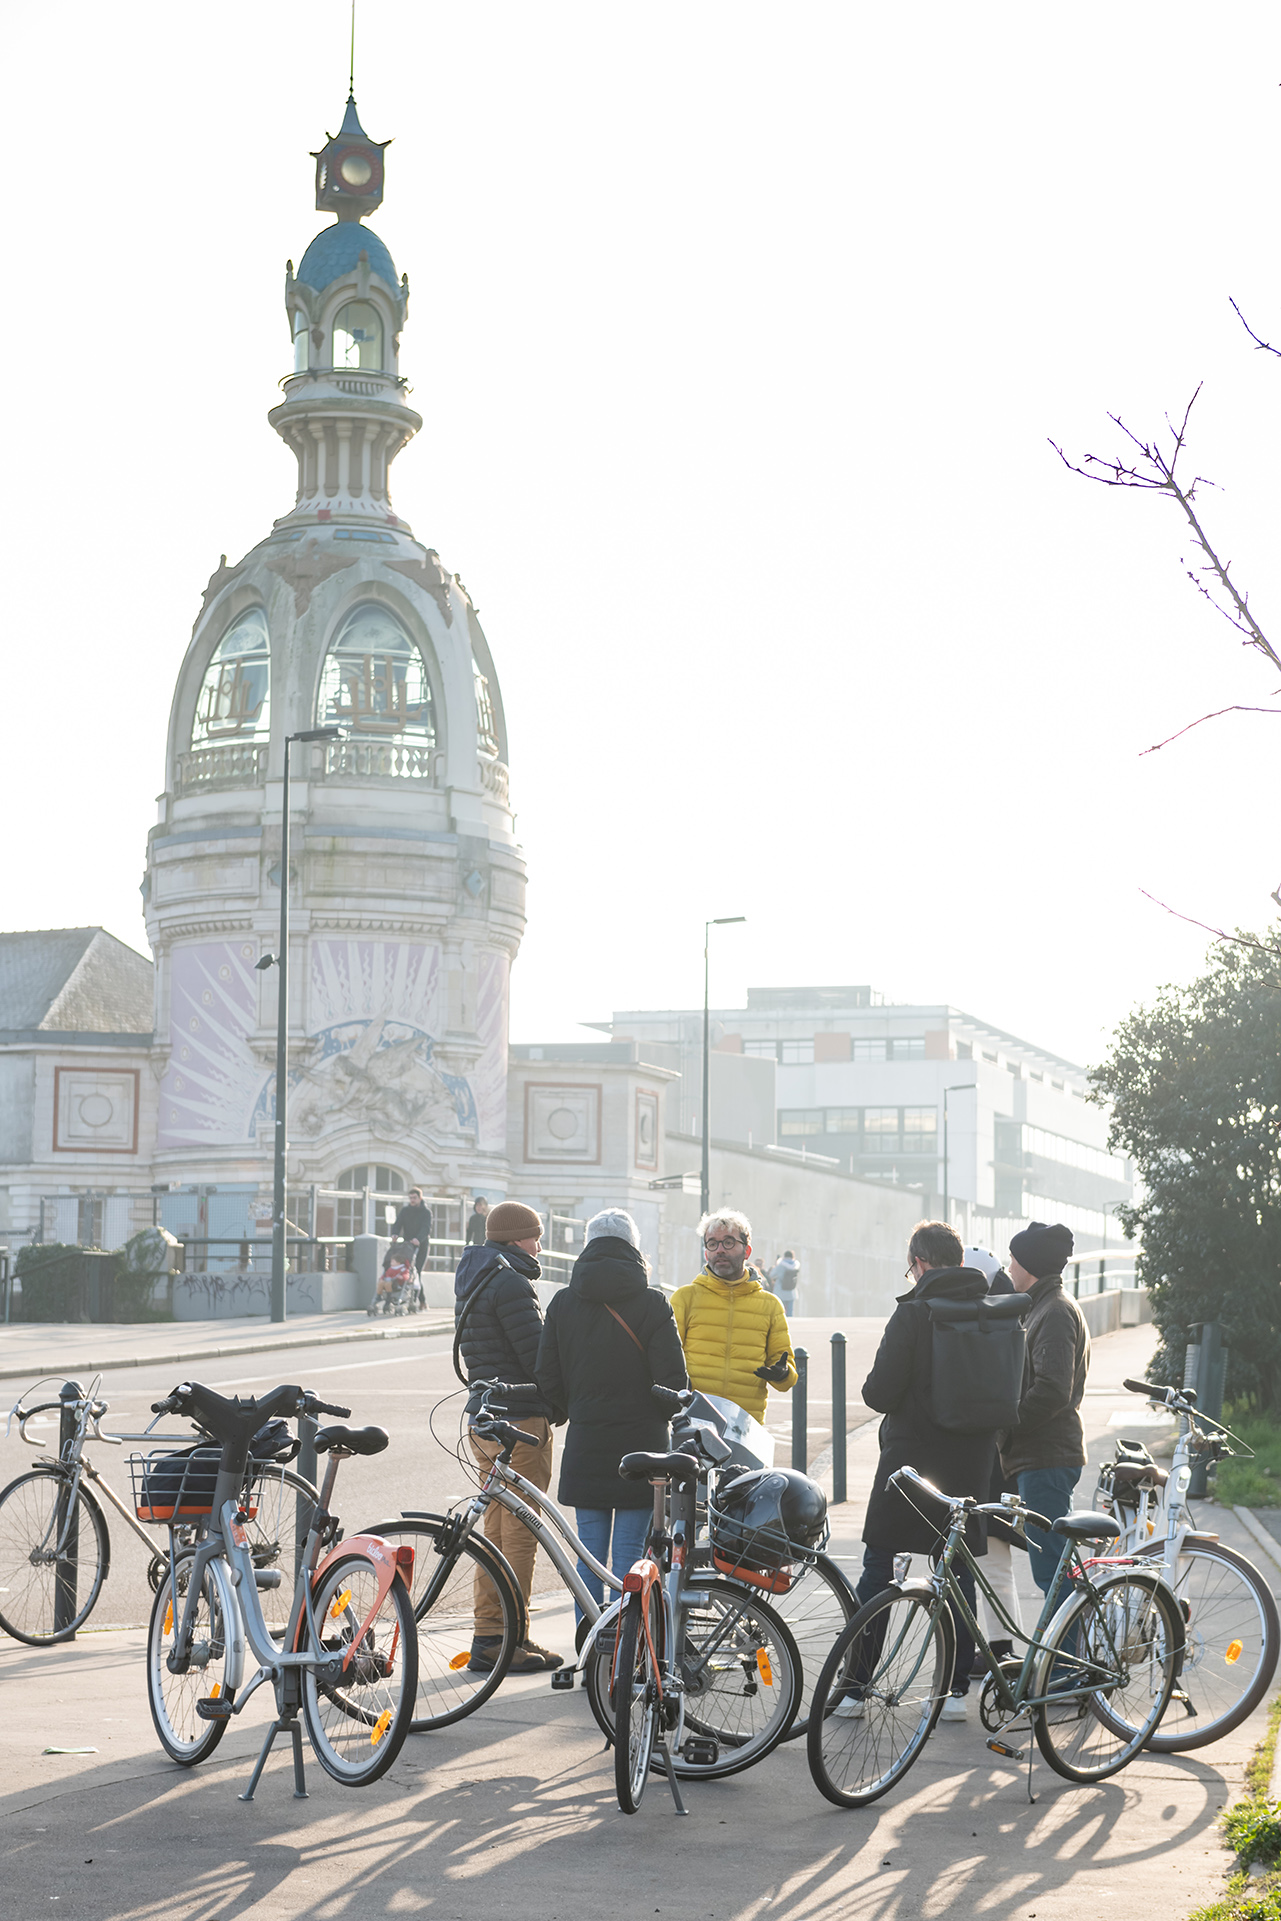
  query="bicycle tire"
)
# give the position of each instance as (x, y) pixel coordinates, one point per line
(444, 1593)
(172, 1698)
(636, 1696)
(893, 1660)
(357, 1727)
(757, 1664)
(1232, 1625)
(815, 1608)
(280, 1504)
(28, 1522)
(1094, 1735)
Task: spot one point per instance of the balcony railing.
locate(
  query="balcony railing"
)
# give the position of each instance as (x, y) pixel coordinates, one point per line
(227, 763)
(360, 759)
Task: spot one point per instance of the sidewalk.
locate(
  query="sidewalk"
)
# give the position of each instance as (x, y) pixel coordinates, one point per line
(29, 1350)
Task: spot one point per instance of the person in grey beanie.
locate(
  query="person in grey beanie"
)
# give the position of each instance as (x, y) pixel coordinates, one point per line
(1045, 1452)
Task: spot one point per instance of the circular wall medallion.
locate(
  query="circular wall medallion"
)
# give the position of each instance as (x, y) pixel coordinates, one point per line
(563, 1123)
(355, 169)
(95, 1110)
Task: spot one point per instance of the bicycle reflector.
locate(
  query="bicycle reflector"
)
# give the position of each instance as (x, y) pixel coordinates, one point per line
(1233, 1652)
(460, 1661)
(380, 1727)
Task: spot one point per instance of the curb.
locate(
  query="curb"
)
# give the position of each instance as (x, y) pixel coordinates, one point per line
(34, 1370)
(1267, 1541)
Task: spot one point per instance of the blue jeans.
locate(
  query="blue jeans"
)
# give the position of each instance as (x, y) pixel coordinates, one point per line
(1048, 1491)
(878, 1572)
(629, 1525)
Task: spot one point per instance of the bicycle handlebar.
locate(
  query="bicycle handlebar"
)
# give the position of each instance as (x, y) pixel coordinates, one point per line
(179, 1402)
(325, 1407)
(1169, 1395)
(675, 1399)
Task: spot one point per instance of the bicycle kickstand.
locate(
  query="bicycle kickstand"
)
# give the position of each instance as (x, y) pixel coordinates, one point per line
(287, 1719)
(672, 1782)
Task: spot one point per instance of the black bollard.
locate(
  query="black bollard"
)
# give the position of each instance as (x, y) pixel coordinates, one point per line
(1209, 1356)
(800, 1411)
(838, 1418)
(66, 1567)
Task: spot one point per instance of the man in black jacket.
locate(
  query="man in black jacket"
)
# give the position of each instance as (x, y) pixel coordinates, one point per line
(496, 1310)
(899, 1387)
(413, 1223)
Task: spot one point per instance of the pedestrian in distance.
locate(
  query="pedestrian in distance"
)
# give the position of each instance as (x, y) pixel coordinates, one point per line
(733, 1330)
(901, 1387)
(783, 1279)
(1045, 1452)
(498, 1325)
(475, 1236)
(609, 1337)
(413, 1223)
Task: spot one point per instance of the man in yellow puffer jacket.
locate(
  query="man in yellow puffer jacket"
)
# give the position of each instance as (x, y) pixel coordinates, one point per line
(733, 1330)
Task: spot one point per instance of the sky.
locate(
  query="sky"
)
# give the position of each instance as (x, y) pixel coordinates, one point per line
(739, 333)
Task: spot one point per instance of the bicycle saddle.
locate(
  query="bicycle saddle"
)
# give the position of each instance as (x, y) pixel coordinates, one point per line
(681, 1468)
(1087, 1527)
(1138, 1474)
(353, 1440)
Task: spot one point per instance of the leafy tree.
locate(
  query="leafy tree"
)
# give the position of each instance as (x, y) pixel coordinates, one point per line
(1195, 1086)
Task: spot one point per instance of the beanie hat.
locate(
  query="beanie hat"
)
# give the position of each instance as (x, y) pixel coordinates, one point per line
(1043, 1250)
(512, 1221)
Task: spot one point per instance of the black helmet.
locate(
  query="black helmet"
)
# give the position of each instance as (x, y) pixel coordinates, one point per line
(767, 1519)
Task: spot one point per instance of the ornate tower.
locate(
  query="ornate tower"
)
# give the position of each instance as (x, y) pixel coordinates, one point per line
(407, 884)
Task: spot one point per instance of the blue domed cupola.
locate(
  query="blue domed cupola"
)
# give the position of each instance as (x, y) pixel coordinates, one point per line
(345, 414)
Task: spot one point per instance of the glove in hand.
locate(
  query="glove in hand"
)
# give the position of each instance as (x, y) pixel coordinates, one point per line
(778, 1372)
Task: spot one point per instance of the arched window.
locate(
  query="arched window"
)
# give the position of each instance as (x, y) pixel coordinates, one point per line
(350, 1200)
(235, 697)
(374, 681)
(358, 335)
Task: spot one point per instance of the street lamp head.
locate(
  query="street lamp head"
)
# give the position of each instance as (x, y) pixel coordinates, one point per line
(729, 920)
(263, 962)
(319, 733)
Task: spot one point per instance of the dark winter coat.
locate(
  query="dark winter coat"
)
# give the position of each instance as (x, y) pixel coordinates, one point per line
(503, 1329)
(413, 1223)
(590, 1366)
(1049, 1433)
(899, 1387)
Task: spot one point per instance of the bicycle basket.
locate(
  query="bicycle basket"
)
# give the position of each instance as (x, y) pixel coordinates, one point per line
(172, 1488)
(762, 1523)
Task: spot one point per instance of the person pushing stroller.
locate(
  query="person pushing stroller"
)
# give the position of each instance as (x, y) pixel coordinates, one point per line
(399, 1290)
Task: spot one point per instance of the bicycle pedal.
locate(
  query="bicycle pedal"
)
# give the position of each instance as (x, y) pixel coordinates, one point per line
(1010, 1754)
(701, 1751)
(212, 1709)
(563, 1678)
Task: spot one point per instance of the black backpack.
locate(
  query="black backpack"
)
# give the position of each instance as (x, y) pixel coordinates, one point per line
(977, 1351)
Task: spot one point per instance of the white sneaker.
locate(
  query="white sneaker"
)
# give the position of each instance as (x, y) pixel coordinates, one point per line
(849, 1709)
(954, 1709)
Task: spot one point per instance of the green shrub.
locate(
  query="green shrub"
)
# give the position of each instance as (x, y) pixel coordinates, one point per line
(1253, 1830)
(1251, 1483)
(50, 1276)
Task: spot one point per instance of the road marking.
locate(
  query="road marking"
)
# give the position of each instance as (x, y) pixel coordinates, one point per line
(346, 1367)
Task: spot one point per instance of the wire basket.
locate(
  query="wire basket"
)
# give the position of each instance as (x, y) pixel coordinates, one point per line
(765, 1556)
(172, 1488)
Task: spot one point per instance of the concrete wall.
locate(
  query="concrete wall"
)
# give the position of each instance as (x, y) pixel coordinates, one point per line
(216, 1297)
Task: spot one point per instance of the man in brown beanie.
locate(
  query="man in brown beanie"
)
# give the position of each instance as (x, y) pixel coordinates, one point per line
(1046, 1451)
(501, 1324)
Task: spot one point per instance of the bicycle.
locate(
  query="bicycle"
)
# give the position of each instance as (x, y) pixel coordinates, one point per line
(1098, 1673)
(1233, 1633)
(55, 1546)
(455, 1565)
(347, 1658)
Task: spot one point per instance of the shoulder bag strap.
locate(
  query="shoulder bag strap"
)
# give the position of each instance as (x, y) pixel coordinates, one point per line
(468, 1305)
(630, 1332)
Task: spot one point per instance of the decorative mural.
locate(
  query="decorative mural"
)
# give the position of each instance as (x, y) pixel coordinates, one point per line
(489, 1076)
(212, 1082)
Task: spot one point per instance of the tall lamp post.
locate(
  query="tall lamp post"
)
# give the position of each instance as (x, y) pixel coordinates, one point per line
(961, 1087)
(727, 920)
(280, 960)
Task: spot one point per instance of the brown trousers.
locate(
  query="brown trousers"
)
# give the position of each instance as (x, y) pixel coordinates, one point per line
(511, 1537)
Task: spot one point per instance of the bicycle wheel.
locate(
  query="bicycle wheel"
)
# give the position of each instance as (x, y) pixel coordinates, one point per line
(816, 1608)
(742, 1677)
(280, 1507)
(1233, 1639)
(879, 1695)
(31, 1524)
(184, 1737)
(636, 1696)
(1128, 1634)
(450, 1585)
(357, 1725)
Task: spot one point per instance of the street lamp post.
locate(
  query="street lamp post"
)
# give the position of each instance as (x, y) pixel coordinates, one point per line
(960, 1087)
(281, 962)
(727, 920)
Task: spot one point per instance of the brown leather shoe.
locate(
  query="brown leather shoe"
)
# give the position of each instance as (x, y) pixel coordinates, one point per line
(529, 1658)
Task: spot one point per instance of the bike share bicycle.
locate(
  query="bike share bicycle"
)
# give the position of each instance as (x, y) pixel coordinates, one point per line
(55, 1547)
(1233, 1634)
(347, 1658)
(1098, 1673)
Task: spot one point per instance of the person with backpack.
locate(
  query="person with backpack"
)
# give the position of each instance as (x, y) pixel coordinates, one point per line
(933, 1401)
(497, 1328)
(609, 1337)
(782, 1280)
(1044, 1449)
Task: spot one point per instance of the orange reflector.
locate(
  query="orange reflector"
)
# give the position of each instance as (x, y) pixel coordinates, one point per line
(459, 1661)
(215, 1690)
(340, 1604)
(380, 1727)
(763, 1667)
(1233, 1652)
(169, 1618)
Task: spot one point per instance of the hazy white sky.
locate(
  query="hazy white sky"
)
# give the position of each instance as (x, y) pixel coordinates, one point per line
(738, 332)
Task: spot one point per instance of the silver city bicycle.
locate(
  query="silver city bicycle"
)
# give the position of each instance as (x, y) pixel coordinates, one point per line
(1233, 1635)
(347, 1656)
(55, 1545)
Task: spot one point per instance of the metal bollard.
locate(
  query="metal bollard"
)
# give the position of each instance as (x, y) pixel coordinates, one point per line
(308, 1428)
(1209, 1355)
(66, 1567)
(838, 1418)
(800, 1411)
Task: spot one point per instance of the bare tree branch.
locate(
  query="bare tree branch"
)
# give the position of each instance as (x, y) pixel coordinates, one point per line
(1264, 346)
(1273, 950)
(1216, 715)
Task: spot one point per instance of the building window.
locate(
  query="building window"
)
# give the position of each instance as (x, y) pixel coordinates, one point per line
(880, 1130)
(867, 1050)
(374, 679)
(844, 1120)
(793, 1121)
(235, 696)
(358, 336)
(908, 1049)
(796, 1053)
(350, 1209)
(920, 1130)
(762, 1050)
(964, 1051)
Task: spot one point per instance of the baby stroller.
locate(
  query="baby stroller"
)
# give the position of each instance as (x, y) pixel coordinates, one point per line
(400, 1288)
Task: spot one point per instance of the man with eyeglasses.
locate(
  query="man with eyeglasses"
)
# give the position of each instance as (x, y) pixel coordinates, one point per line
(733, 1330)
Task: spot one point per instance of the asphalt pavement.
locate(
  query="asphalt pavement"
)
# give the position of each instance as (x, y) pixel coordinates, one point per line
(513, 1810)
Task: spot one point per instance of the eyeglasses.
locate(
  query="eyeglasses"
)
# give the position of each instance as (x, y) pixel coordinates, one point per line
(732, 1242)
